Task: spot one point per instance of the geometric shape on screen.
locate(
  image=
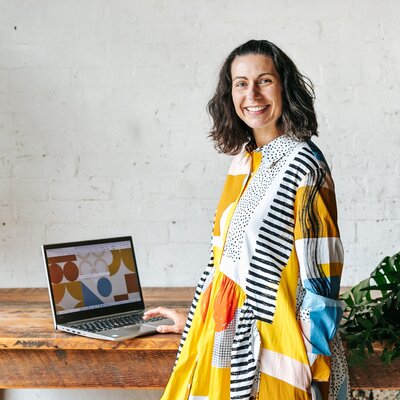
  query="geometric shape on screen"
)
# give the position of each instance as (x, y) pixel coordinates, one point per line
(116, 262)
(71, 271)
(58, 292)
(85, 268)
(94, 263)
(79, 305)
(104, 287)
(127, 258)
(75, 290)
(100, 264)
(121, 297)
(89, 298)
(56, 273)
(131, 283)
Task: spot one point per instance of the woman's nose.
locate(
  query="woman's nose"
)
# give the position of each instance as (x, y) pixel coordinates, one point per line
(253, 93)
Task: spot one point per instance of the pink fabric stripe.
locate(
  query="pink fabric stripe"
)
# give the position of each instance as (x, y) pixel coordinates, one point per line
(286, 369)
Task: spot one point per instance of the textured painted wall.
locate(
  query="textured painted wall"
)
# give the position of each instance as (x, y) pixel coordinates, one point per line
(103, 124)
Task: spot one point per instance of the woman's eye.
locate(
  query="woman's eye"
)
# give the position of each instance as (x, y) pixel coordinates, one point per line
(264, 81)
(240, 84)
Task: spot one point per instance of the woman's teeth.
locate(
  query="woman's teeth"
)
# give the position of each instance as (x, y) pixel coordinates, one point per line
(253, 109)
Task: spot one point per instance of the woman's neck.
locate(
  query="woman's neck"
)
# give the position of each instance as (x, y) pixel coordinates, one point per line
(262, 138)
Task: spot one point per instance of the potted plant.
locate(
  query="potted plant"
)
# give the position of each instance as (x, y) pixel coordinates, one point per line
(372, 313)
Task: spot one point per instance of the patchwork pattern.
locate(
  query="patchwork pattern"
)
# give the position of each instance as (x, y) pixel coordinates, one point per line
(223, 341)
(275, 241)
(276, 259)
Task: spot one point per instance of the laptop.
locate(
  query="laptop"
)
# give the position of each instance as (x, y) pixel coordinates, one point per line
(95, 290)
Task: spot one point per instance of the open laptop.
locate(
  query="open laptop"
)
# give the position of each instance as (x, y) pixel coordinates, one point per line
(95, 290)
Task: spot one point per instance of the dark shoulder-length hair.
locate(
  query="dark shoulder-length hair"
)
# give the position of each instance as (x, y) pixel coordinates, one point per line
(298, 117)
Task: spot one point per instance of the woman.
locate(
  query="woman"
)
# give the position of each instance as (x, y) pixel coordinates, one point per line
(264, 317)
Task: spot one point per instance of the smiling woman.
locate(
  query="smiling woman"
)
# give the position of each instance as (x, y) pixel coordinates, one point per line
(265, 313)
(257, 95)
(297, 118)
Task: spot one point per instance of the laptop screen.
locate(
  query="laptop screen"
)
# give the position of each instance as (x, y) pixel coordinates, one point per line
(88, 279)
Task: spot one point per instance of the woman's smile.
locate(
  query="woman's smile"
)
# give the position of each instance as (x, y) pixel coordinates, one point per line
(256, 109)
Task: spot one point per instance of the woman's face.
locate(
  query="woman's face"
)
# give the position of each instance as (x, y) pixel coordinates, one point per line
(257, 94)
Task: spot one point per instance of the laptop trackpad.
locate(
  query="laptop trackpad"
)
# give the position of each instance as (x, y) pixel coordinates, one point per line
(132, 331)
(129, 332)
(164, 321)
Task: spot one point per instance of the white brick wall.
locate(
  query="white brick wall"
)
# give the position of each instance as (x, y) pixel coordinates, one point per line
(103, 124)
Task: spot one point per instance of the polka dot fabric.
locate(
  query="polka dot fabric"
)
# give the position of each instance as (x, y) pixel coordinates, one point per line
(274, 156)
(339, 387)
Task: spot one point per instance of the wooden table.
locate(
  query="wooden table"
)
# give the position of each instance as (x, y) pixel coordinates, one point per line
(34, 355)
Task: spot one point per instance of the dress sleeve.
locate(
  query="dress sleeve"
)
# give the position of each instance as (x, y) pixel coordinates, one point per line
(320, 255)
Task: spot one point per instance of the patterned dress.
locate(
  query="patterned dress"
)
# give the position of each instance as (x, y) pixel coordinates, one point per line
(263, 321)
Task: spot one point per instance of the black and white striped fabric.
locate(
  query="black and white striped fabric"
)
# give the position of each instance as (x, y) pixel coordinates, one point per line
(244, 356)
(269, 256)
(275, 239)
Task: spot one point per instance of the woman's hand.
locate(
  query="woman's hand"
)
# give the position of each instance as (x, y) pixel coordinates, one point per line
(178, 318)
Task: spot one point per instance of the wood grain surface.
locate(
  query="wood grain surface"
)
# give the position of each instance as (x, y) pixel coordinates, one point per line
(26, 322)
(33, 354)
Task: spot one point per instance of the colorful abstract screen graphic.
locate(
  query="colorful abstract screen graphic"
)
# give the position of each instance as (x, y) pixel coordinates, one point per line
(92, 276)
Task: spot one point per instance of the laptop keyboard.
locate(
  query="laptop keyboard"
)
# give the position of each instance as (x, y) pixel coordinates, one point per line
(113, 322)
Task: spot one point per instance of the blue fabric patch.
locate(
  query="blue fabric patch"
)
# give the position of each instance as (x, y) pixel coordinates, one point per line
(342, 395)
(322, 330)
(318, 153)
(315, 392)
(325, 315)
(326, 287)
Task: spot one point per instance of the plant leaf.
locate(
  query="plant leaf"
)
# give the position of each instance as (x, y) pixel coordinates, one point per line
(370, 318)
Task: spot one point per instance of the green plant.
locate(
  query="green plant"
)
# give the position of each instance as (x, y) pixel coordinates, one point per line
(372, 313)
